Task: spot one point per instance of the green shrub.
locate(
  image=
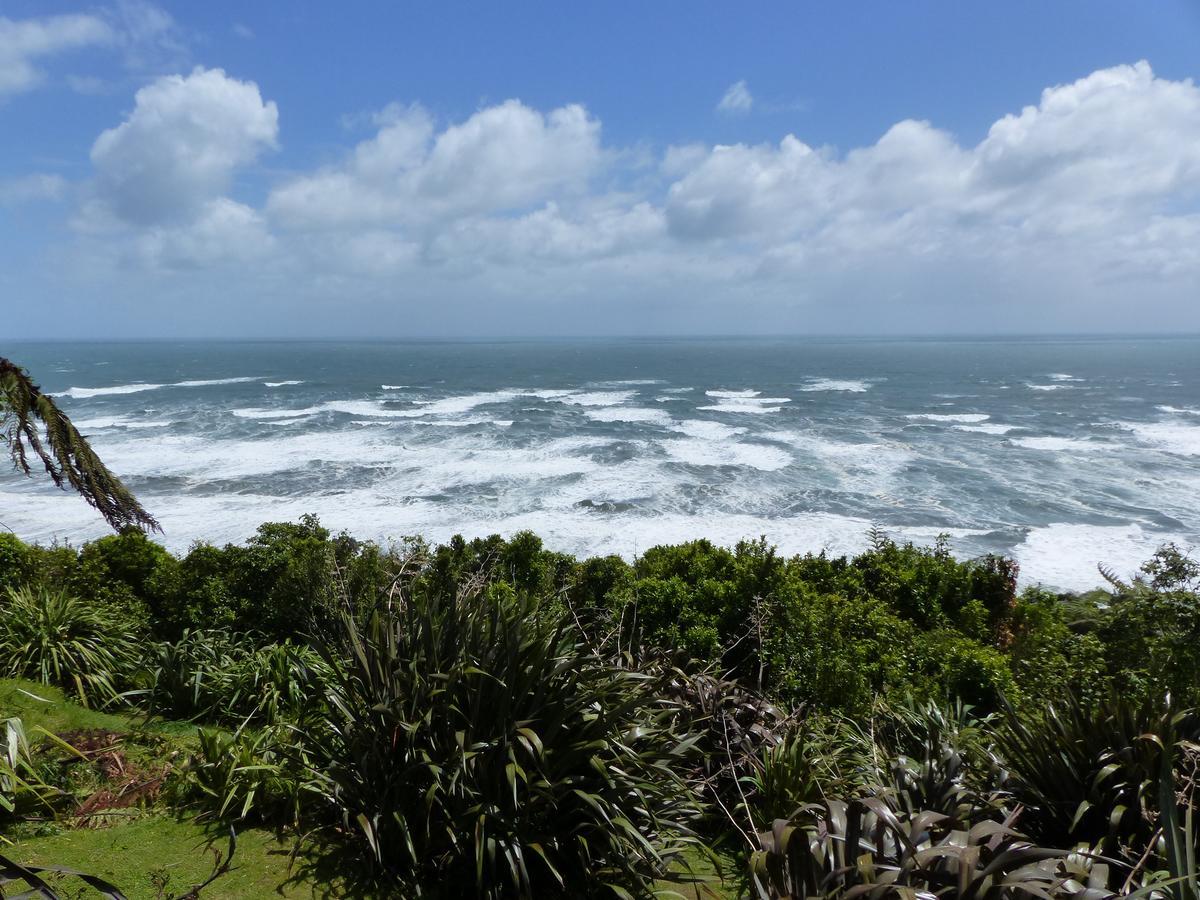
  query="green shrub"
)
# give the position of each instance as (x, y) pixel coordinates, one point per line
(56, 638)
(249, 775)
(475, 749)
(213, 676)
(1090, 773)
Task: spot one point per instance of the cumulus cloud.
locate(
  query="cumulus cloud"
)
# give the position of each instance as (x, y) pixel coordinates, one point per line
(1056, 211)
(502, 158)
(179, 148)
(23, 43)
(737, 99)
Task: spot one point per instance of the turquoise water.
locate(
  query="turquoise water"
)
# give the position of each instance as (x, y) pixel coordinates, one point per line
(1062, 452)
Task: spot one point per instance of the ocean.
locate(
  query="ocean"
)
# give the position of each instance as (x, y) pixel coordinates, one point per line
(1063, 453)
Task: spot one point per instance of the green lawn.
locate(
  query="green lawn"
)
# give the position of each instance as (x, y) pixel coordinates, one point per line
(131, 854)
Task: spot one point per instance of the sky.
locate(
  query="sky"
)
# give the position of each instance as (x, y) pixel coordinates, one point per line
(391, 170)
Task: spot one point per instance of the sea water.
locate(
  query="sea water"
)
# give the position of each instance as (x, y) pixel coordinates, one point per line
(1063, 453)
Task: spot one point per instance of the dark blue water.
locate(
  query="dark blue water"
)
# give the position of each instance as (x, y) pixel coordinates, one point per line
(1065, 453)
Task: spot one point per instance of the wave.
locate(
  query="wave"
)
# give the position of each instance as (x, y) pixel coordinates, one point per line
(961, 418)
(119, 422)
(1179, 438)
(986, 428)
(702, 452)
(82, 393)
(280, 383)
(852, 386)
(628, 414)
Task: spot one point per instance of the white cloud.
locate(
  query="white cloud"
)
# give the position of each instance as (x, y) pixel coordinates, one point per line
(503, 158)
(23, 43)
(30, 188)
(1046, 222)
(737, 99)
(179, 148)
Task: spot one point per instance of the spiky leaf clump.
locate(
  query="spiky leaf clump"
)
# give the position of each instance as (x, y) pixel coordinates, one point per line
(65, 453)
(56, 638)
(477, 749)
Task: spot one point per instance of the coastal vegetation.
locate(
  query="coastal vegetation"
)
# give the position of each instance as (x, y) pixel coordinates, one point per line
(493, 718)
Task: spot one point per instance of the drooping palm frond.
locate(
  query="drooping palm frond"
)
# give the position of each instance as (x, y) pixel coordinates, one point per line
(65, 453)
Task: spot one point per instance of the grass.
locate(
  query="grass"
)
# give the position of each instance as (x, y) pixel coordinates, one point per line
(37, 704)
(132, 854)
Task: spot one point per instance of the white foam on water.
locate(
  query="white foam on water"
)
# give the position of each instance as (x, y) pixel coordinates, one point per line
(1062, 376)
(82, 393)
(852, 386)
(1179, 438)
(393, 387)
(628, 414)
(733, 395)
(986, 428)
(702, 428)
(465, 402)
(119, 422)
(961, 418)
(1180, 410)
(209, 382)
(1045, 387)
(871, 468)
(551, 393)
(79, 393)
(748, 401)
(591, 398)
(732, 407)
(259, 413)
(1065, 555)
(280, 383)
(702, 452)
(1056, 444)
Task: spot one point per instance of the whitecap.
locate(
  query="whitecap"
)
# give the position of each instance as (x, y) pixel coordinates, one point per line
(1179, 410)
(986, 428)
(848, 385)
(212, 381)
(391, 387)
(702, 452)
(713, 431)
(280, 383)
(80, 393)
(1055, 444)
(1180, 438)
(963, 418)
(1065, 555)
(733, 395)
(119, 422)
(628, 414)
(594, 398)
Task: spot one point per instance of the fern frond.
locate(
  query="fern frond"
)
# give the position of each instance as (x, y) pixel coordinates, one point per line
(30, 421)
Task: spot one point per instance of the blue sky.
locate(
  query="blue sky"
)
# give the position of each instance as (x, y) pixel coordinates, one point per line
(381, 169)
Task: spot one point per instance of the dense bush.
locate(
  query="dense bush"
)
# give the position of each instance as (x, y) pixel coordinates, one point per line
(474, 746)
(80, 645)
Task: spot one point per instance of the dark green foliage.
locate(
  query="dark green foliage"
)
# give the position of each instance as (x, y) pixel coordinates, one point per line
(476, 749)
(1090, 773)
(77, 644)
(30, 421)
(211, 676)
